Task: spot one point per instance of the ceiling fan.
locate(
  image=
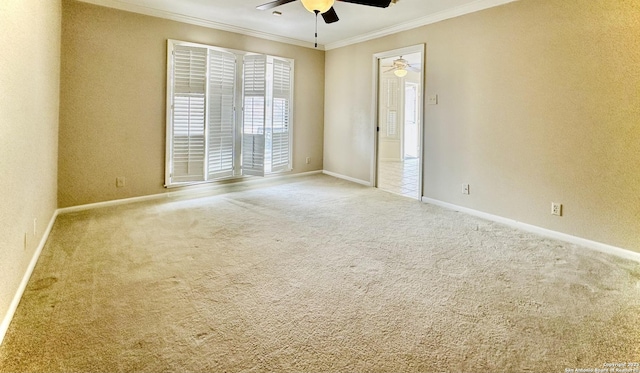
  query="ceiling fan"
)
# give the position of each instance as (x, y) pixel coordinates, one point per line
(400, 66)
(325, 7)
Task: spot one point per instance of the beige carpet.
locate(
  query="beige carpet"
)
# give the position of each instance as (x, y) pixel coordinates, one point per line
(316, 275)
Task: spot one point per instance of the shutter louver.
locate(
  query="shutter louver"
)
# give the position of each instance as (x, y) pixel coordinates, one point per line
(390, 116)
(281, 106)
(188, 121)
(254, 116)
(222, 80)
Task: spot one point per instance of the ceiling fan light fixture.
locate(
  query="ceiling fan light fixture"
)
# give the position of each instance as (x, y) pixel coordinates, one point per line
(319, 6)
(401, 73)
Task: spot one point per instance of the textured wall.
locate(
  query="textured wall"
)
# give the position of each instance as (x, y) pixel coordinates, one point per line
(538, 102)
(113, 94)
(29, 100)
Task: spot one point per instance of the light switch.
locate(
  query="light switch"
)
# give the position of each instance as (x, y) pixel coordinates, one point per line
(432, 100)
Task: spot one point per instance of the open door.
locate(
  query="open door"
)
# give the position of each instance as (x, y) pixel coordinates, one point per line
(398, 147)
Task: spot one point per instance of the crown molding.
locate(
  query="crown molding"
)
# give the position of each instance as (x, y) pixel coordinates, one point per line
(458, 11)
(128, 7)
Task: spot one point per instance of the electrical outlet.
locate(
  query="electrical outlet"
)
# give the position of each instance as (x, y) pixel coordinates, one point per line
(432, 100)
(465, 188)
(308, 160)
(120, 182)
(556, 209)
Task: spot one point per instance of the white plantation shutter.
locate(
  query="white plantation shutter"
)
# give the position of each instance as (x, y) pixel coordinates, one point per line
(390, 107)
(254, 114)
(188, 114)
(206, 139)
(281, 109)
(222, 81)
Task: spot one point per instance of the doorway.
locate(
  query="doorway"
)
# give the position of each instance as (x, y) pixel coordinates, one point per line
(399, 76)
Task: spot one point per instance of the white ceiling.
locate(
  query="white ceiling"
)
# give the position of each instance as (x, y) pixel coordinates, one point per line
(297, 25)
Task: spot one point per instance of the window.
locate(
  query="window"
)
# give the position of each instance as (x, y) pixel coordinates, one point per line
(228, 114)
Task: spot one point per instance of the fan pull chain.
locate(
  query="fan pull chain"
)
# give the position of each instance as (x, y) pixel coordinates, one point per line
(316, 12)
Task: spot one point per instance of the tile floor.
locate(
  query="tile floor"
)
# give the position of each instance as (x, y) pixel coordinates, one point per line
(399, 177)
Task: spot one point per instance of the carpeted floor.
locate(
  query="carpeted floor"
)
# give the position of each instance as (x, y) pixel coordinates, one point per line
(316, 275)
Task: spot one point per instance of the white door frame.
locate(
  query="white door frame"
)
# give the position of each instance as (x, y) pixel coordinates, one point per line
(420, 48)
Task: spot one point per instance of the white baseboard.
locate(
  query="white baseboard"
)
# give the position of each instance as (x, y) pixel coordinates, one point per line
(348, 178)
(6, 321)
(115, 202)
(608, 249)
(189, 190)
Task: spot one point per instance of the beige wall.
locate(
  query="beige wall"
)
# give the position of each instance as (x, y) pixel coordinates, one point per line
(112, 113)
(539, 101)
(29, 98)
